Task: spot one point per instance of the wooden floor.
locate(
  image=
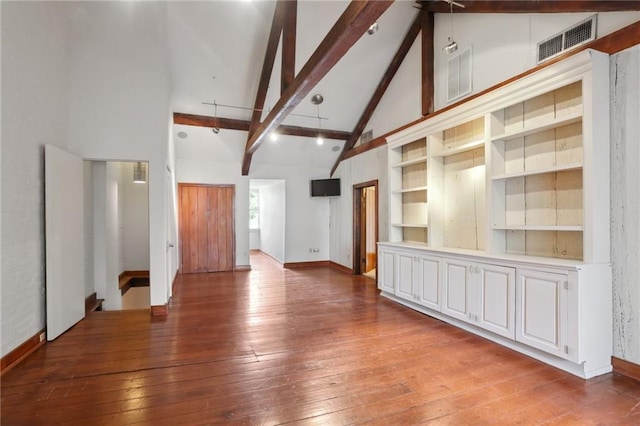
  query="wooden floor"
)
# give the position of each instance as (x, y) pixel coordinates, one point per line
(305, 346)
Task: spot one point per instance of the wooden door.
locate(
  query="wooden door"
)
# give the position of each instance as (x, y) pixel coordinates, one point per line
(365, 226)
(207, 232)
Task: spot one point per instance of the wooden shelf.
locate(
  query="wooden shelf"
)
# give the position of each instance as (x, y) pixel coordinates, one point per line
(411, 162)
(558, 168)
(552, 124)
(407, 190)
(469, 146)
(571, 228)
(410, 225)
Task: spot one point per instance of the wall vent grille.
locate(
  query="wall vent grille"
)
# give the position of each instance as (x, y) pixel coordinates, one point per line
(571, 38)
(459, 74)
(366, 136)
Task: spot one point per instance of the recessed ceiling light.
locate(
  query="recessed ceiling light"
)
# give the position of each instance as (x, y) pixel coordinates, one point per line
(182, 135)
(335, 148)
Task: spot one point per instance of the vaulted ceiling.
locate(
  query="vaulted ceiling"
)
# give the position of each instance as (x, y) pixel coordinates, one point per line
(250, 68)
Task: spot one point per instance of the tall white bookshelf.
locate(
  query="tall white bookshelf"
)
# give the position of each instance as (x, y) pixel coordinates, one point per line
(500, 209)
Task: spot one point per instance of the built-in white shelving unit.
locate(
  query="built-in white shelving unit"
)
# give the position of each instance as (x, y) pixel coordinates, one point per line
(512, 241)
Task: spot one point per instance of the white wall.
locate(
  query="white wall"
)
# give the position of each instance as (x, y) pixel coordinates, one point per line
(307, 218)
(496, 56)
(92, 78)
(504, 45)
(135, 221)
(273, 220)
(34, 47)
(625, 203)
(366, 167)
(119, 102)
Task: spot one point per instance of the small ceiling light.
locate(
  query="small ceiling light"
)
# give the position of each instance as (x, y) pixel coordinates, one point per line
(373, 29)
(273, 136)
(140, 172)
(182, 135)
(451, 46)
(319, 140)
(216, 130)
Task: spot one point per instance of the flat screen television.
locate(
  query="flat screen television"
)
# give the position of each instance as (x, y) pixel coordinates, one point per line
(325, 187)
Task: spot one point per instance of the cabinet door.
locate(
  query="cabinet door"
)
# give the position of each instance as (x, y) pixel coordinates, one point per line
(405, 272)
(386, 269)
(496, 287)
(428, 282)
(541, 304)
(455, 290)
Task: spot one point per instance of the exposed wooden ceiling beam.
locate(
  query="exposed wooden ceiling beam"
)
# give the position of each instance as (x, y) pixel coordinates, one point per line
(427, 31)
(393, 67)
(289, 45)
(265, 75)
(531, 6)
(207, 121)
(352, 24)
(244, 125)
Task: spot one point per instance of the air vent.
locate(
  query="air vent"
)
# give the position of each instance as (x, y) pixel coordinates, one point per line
(571, 38)
(459, 75)
(366, 136)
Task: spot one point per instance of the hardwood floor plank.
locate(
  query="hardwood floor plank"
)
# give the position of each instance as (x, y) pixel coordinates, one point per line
(305, 346)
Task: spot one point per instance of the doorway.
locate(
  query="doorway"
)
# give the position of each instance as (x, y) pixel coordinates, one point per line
(365, 228)
(207, 231)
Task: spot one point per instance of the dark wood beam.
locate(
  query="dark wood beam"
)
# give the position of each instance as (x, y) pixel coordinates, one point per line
(531, 6)
(265, 75)
(427, 31)
(393, 67)
(207, 121)
(235, 124)
(312, 132)
(352, 24)
(289, 45)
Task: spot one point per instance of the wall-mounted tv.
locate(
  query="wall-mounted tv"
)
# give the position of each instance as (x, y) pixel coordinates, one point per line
(325, 187)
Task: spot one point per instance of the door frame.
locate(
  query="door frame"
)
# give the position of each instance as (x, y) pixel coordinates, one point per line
(181, 185)
(357, 223)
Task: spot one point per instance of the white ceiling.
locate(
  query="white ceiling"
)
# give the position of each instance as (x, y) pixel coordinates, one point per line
(227, 39)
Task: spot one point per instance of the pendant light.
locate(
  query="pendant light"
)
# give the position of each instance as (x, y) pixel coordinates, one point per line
(317, 99)
(451, 46)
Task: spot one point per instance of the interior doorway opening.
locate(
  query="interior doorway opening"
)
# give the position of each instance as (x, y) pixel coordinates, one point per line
(365, 228)
(267, 217)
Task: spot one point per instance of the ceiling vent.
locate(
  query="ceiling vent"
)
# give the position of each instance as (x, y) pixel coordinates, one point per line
(571, 38)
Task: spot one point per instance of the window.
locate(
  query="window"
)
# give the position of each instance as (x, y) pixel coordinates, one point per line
(254, 208)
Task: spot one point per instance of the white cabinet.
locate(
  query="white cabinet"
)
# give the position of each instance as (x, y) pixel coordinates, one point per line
(418, 278)
(517, 215)
(542, 304)
(428, 268)
(386, 269)
(481, 294)
(405, 273)
(496, 311)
